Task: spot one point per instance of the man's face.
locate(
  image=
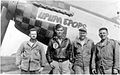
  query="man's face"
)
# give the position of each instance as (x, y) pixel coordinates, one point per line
(33, 34)
(60, 31)
(103, 34)
(82, 35)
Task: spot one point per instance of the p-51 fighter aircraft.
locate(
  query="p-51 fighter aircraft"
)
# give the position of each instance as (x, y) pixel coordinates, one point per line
(45, 14)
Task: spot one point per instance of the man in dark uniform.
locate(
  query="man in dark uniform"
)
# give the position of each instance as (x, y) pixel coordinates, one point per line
(59, 52)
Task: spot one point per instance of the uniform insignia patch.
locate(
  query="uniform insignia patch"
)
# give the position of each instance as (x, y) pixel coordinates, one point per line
(55, 45)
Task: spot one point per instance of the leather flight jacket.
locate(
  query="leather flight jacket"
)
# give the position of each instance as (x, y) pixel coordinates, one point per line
(59, 52)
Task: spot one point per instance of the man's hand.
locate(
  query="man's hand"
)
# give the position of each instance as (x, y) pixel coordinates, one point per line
(52, 64)
(70, 65)
(94, 71)
(19, 66)
(115, 71)
(40, 70)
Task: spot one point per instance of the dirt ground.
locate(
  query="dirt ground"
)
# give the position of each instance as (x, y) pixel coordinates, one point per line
(8, 66)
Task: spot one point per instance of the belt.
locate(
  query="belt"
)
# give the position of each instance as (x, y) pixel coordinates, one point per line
(60, 59)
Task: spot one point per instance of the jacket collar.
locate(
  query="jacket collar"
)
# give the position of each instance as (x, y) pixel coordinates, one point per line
(78, 40)
(107, 40)
(34, 45)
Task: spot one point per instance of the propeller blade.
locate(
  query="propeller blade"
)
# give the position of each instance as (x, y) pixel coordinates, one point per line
(4, 21)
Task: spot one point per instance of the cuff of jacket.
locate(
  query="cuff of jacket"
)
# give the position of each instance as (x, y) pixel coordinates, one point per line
(117, 68)
(43, 65)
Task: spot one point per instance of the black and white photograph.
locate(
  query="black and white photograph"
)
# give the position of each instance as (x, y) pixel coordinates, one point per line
(60, 37)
